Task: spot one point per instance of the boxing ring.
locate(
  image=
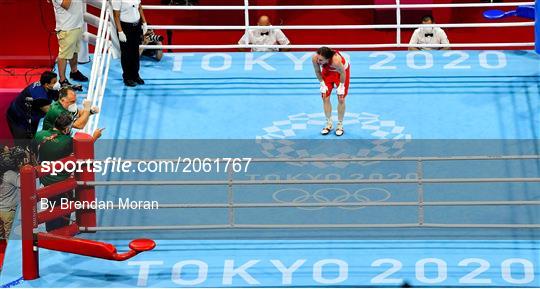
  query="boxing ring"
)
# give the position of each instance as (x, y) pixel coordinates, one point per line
(435, 183)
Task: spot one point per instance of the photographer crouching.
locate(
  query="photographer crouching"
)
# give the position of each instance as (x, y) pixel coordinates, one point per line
(150, 38)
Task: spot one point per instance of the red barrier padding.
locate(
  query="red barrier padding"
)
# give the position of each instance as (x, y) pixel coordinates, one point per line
(91, 248)
(83, 148)
(57, 212)
(30, 256)
(42, 172)
(141, 245)
(69, 231)
(62, 239)
(3, 245)
(56, 189)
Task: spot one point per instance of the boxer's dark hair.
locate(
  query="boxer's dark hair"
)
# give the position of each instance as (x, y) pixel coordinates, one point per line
(326, 52)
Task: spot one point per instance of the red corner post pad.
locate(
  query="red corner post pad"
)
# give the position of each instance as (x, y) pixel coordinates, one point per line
(92, 248)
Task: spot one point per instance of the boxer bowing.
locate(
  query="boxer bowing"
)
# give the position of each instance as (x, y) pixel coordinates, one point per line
(332, 69)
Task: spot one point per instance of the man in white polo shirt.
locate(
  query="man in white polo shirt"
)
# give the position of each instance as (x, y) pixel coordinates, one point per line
(264, 36)
(69, 22)
(428, 35)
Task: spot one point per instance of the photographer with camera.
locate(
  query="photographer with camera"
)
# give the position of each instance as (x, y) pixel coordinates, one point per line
(11, 160)
(30, 106)
(150, 38)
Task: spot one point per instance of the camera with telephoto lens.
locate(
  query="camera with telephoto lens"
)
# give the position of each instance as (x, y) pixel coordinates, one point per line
(76, 87)
(154, 37)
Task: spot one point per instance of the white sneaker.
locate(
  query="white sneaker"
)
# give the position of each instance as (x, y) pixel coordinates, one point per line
(328, 128)
(339, 129)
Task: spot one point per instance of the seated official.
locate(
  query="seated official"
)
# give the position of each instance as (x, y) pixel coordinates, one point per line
(428, 35)
(264, 36)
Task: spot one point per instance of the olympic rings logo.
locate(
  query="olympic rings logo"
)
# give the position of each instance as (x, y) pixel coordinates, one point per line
(330, 195)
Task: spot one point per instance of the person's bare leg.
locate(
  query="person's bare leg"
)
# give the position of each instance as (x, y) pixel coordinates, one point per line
(73, 62)
(341, 109)
(341, 114)
(62, 64)
(327, 106)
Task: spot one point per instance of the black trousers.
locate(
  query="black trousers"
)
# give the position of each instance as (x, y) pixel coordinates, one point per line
(130, 50)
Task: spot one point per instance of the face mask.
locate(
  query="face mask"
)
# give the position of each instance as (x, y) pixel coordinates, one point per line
(262, 30)
(56, 86)
(72, 108)
(428, 30)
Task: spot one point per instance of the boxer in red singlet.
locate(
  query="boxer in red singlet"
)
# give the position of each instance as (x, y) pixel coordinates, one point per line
(335, 71)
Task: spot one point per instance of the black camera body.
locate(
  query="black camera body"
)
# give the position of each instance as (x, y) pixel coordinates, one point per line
(155, 38)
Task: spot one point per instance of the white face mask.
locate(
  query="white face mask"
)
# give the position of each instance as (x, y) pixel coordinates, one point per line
(428, 30)
(263, 30)
(56, 86)
(72, 108)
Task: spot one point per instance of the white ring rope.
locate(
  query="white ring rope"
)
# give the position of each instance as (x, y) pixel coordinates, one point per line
(315, 46)
(337, 7)
(307, 182)
(307, 226)
(398, 21)
(344, 204)
(333, 27)
(362, 159)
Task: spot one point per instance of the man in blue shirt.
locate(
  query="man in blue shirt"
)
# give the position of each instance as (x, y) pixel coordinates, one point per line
(30, 106)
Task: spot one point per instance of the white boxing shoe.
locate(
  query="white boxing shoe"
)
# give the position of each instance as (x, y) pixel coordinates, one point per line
(327, 129)
(339, 129)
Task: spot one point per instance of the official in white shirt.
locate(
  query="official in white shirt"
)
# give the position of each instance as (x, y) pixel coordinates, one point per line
(69, 22)
(264, 36)
(131, 26)
(428, 35)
